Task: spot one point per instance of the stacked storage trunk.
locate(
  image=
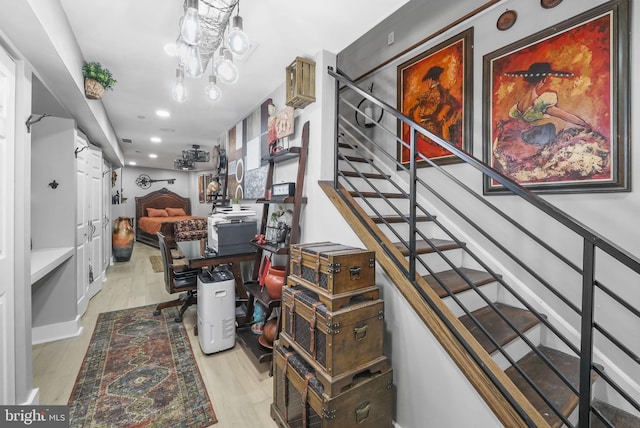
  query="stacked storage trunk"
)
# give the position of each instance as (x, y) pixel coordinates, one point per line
(329, 366)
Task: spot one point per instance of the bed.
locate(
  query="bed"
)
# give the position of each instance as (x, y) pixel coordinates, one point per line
(154, 203)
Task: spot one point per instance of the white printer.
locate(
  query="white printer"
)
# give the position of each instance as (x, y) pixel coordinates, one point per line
(230, 232)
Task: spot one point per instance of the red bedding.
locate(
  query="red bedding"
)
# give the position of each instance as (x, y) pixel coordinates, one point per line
(152, 224)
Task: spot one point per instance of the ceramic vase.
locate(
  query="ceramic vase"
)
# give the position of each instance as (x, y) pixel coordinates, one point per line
(122, 240)
(274, 280)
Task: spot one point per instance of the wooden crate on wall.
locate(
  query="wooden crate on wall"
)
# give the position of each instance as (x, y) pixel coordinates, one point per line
(301, 83)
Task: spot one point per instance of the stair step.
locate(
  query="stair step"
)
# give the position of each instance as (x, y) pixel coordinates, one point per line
(364, 174)
(455, 282)
(498, 328)
(397, 219)
(354, 158)
(347, 146)
(618, 418)
(422, 247)
(376, 195)
(548, 382)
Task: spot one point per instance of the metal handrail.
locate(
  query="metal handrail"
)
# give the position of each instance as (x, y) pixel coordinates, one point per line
(591, 241)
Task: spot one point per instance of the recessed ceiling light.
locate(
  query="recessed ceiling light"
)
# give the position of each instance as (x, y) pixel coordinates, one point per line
(156, 140)
(153, 155)
(170, 49)
(163, 113)
(132, 163)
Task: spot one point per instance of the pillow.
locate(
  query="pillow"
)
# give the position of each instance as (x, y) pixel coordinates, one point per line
(175, 212)
(156, 212)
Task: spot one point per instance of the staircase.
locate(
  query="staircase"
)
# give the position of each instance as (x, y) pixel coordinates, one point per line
(530, 372)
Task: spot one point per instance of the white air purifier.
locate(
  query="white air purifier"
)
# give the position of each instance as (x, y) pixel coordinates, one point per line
(216, 310)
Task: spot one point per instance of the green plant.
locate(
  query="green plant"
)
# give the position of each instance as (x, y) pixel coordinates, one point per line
(94, 70)
(235, 201)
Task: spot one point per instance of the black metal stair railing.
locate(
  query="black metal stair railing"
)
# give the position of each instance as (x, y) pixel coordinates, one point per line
(424, 196)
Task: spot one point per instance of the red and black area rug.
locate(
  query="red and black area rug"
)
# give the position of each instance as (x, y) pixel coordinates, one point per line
(139, 371)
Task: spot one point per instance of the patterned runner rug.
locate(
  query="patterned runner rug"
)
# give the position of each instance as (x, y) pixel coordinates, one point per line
(140, 371)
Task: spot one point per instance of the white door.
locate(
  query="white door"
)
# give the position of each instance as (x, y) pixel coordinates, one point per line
(95, 222)
(82, 223)
(7, 220)
(106, 218)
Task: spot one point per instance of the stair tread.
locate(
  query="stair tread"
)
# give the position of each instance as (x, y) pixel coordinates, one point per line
(355, 158)
(423, 247)
(548, 382)
(498, 328)
(346, 145)
(363, 174)
(397, 218)
(376, 195)
(455, 282)
(618, 417)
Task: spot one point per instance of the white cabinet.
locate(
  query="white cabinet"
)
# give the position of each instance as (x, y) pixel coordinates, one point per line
(66, 212)
(89, 218)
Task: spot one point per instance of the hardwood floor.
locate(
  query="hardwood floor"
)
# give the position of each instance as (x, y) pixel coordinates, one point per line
(240, 389)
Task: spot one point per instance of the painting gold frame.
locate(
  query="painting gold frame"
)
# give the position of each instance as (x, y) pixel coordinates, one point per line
(556, 106)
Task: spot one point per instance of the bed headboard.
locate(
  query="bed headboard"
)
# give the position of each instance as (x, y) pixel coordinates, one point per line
(163, 198)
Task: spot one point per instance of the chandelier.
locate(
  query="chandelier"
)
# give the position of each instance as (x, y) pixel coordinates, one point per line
(184, 165)
(195, 154)
(190, 157)
(202, 32)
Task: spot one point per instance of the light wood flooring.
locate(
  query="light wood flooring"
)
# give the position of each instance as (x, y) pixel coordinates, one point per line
(239, 387)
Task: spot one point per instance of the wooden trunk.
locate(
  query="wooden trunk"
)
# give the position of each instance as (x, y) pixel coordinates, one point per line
(299, 399)
(335, 302)
(335, 341)
(332, 268)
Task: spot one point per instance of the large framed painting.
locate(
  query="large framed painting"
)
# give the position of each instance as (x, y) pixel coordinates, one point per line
(435, 90)
(556, 106)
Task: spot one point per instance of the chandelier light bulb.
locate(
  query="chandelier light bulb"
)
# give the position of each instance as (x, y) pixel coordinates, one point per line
(227, 70)
(218, 61)
(190, 29)
(237, 40)
(193, 64)
(179, 93)
(182, 51)
(212, 91)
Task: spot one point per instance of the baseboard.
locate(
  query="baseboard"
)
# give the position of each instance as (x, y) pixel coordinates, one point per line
(34, 398)
(53, 332)
(395, 424)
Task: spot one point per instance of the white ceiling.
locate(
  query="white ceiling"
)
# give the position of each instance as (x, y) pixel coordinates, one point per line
(128, 37)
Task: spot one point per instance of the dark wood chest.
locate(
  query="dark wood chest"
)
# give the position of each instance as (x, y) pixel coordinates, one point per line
(332, 268)
(301, 401)
(334, 341)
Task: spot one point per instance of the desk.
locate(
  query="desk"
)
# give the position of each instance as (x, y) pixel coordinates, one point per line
(193, 252)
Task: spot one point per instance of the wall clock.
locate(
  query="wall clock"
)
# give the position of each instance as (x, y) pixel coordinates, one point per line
(506, 20)
(548, 4)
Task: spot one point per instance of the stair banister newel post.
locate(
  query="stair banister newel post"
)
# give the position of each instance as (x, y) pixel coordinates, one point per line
(586, 337)
(336, 132)
(412, 206)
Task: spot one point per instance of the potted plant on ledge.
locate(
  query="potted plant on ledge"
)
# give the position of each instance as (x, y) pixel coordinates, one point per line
(96, 80)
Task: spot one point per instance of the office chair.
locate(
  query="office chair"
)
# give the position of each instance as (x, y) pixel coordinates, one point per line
(177, 279)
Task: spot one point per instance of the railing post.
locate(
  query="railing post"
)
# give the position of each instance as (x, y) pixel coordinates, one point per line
(335, 133)
(586, 341)
(412, 206)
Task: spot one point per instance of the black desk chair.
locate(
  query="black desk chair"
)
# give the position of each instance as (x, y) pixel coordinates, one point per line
(177, 279)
